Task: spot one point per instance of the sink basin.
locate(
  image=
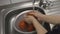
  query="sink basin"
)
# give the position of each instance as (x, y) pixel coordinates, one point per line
(10, 16)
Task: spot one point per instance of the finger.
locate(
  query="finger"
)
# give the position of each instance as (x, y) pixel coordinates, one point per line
(27, 20)
(34, 12)
(31, 13)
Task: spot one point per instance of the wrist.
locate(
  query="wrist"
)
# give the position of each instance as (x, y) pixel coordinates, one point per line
(41, 17)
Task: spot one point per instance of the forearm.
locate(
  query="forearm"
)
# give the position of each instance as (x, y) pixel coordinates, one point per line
(39, 28)
(54, 19)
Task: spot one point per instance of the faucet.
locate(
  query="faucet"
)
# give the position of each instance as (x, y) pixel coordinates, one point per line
(45, 3)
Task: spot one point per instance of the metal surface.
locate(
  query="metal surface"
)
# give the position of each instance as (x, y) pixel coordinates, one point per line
(5, 10)
(33, 3)
(19, 17)
(8, 16)
(54, 9)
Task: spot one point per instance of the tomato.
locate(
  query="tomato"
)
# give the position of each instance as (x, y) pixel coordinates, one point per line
(22, 25)
(30, 28)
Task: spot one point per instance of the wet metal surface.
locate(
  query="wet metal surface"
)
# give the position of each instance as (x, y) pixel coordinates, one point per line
(4, 10)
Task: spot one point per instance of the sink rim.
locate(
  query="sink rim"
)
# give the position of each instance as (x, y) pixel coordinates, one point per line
(5, 13)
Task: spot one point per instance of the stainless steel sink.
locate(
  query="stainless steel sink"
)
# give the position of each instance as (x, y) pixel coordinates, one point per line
(9, 12)
(8, 16)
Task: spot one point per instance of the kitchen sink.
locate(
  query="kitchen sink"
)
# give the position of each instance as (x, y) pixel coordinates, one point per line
(9, 19)
(9, 14)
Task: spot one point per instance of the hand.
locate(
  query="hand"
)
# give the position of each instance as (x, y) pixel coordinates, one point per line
(36, 14)
(39, 28)
(29, 19)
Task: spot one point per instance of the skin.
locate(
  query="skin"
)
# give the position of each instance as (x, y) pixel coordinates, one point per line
(53, 19)
(39, 28)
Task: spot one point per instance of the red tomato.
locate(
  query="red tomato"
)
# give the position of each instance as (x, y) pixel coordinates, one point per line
(22, 25)
(30, 28)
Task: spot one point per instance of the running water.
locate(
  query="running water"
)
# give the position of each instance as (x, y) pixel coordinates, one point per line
(33, 4)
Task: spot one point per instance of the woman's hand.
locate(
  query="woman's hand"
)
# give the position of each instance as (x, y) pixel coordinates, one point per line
(52, 19)
(37, 14)
(29, 19)
(39, 28)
